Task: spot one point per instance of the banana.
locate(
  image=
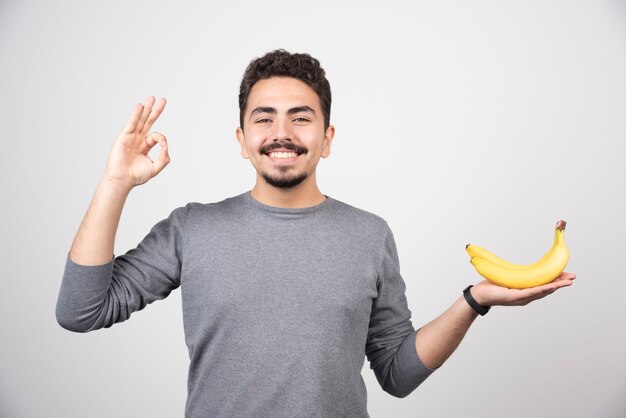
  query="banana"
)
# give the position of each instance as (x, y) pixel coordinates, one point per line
(476, 251)
(517, 276)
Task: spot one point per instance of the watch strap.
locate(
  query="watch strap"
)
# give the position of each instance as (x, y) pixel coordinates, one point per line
(482, 310)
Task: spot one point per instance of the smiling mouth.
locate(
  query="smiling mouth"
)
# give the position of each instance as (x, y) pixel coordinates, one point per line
(282, 154)
(284, 151)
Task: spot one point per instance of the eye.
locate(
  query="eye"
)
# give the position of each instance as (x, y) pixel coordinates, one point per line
(301, 119)
(263, 120)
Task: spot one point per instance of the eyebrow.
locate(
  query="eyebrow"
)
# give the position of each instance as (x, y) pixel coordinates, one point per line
(272, 110)
(300, 109)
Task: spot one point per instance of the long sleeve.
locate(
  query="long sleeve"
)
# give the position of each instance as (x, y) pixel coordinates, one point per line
(93, 297)
(390, 346)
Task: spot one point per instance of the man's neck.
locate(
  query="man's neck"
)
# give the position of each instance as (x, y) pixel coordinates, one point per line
(304, 195)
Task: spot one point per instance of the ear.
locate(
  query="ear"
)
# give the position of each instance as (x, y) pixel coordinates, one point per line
(328, 139)
(241, 138)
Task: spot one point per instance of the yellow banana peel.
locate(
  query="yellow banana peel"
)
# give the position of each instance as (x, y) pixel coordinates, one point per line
(519, 276)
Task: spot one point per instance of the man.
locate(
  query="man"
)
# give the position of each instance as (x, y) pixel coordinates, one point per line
(284, 289)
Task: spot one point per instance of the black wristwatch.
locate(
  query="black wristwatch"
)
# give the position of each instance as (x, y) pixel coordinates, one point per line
(482, 310)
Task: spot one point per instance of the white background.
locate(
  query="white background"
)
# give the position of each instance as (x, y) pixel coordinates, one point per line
(457, 121)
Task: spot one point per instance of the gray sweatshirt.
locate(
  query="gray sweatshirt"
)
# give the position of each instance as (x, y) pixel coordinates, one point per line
(280, 306)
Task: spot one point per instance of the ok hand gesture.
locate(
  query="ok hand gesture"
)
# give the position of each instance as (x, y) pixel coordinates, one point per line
(128, 164)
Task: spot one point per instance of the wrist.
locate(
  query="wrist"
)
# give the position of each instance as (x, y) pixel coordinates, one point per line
(473, 303)
(115, 186)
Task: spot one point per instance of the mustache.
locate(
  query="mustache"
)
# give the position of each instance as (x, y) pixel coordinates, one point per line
(284, 145)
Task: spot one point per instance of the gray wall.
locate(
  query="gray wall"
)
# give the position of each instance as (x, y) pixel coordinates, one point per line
(457, 121)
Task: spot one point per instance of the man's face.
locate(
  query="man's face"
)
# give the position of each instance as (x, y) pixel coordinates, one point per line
(283, 133)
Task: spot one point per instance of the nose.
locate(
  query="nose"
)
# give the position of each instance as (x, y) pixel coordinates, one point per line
(282, 130)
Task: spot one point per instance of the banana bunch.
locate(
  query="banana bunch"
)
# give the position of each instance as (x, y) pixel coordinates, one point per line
(517, 276)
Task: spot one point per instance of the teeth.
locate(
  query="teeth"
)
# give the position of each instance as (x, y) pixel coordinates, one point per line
(283, 154)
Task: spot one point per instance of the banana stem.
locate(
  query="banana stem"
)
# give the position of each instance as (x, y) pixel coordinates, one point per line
(560, 225)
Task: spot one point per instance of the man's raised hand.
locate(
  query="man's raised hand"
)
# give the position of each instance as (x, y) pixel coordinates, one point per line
(128, 164)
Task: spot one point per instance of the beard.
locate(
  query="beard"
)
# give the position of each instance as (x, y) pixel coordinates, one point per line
(284, 180)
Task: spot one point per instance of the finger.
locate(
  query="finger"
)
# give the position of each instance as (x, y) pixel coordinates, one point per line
(526, 296)
(147, 108)
(563, 280)
(131, 125)
(154, 114)
(151, 140)
(523, 296)
(566, 275)
(526, 301)
(163, 159)
(540, 292)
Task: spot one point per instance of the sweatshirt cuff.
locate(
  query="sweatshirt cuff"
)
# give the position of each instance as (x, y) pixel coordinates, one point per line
(414, 371)
(81, 278)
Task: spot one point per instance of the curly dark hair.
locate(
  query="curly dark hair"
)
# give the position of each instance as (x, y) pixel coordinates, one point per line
(282, 63)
